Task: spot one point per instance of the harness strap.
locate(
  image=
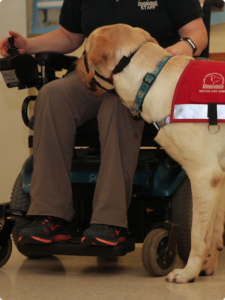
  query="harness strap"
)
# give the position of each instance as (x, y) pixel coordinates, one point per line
(147, 83)
(113, 91)
(212, 113)
(123, 63)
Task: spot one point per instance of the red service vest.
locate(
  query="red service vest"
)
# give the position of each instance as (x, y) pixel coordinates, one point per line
(201, 82)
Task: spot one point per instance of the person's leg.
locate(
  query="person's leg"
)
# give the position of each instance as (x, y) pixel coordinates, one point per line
(61, 107)
(57, 115)
(120, 138)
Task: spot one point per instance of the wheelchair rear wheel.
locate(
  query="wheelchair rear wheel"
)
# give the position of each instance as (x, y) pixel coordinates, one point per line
(182, 214)
(153, 250)
(5, 252)
(20, 201)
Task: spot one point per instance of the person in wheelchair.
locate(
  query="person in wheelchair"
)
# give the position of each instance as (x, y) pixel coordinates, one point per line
(64, 105)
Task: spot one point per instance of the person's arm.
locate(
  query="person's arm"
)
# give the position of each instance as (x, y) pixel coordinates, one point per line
(196, 31)
(60, 41)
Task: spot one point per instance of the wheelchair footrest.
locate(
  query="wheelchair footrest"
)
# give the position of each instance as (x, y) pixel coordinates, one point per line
(74, 247)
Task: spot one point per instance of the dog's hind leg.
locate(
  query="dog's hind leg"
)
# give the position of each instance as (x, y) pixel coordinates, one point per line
(210, 264)
(206, 191)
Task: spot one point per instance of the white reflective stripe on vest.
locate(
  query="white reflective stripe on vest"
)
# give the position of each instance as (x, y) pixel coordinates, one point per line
(196, 111)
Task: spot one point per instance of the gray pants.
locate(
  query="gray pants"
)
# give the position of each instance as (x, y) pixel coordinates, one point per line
(61, 107)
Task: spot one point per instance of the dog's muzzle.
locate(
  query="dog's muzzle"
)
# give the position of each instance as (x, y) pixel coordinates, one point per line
(119, 68)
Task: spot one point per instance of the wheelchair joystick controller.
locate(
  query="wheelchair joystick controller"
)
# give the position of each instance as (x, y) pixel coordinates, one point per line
(19, 70)
(13, 50)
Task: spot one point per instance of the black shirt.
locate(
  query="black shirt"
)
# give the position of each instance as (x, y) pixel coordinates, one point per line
(161, 18)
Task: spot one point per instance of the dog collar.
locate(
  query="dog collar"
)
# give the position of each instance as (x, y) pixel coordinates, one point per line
(147, 83)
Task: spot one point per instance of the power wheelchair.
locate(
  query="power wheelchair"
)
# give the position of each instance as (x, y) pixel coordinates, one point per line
(160, 214)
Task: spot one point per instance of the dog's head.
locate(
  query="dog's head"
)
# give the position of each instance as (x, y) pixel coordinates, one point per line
(107, 45)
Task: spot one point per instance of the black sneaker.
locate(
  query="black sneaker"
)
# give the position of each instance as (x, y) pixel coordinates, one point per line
(45, 230)
(104, 235)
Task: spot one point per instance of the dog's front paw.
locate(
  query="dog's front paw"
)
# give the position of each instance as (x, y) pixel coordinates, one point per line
(171, 277)
(180, 276)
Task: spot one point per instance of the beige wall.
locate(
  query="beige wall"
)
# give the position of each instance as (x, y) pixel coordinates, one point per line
(217, 38)
(13, 134)
(77, 53)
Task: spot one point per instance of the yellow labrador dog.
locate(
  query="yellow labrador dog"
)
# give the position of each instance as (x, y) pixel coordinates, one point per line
(200, 153)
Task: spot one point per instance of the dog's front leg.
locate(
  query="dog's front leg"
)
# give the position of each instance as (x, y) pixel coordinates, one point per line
(209, 265)
(205, 203)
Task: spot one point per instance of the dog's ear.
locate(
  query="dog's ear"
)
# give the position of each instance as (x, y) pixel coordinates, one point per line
(149, 38)
(101, 50)
(152, 40)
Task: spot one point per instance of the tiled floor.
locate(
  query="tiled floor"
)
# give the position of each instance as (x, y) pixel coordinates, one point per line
(71, 277)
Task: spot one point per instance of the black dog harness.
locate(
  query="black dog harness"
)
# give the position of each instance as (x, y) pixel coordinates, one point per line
(118, 68)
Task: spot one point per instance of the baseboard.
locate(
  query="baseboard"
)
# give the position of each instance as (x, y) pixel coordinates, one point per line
(217, 56)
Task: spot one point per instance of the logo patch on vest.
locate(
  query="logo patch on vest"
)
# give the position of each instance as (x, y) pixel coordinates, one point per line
(147, 5)
(213, 81)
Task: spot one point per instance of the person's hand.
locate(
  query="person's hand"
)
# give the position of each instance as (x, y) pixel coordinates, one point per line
(19, 41)
(180, 48)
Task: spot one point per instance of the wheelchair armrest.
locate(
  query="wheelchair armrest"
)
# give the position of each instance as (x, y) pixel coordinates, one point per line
(55, 60)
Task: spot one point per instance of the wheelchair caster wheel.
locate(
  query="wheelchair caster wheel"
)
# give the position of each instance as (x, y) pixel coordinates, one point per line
(5, 252)
(153, 250)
